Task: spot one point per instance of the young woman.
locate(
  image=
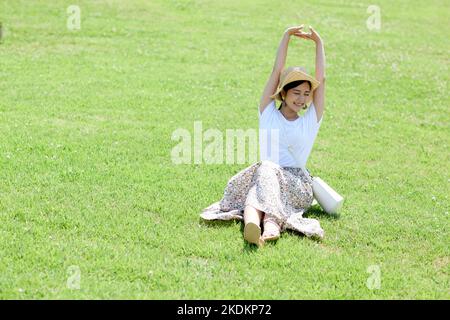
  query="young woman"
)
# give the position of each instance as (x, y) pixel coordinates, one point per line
(277, 190)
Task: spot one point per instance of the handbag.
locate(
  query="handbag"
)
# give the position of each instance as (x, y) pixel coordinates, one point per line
(326, 196)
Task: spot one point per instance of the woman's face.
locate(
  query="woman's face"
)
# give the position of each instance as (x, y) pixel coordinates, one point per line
(297, 97)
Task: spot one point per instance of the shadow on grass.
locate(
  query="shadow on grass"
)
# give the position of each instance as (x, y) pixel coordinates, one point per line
(300, 235)
(248, 247)
(218, 223)
(313, 212)
(317, 212)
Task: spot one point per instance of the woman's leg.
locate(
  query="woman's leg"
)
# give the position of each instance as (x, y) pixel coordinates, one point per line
(252, 214)
(271, 229)
(252, 225)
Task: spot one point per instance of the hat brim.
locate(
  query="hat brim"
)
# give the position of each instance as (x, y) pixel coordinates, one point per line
(295, 76)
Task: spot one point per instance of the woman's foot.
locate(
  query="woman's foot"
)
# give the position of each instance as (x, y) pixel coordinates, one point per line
(252, 233)
(271, 229)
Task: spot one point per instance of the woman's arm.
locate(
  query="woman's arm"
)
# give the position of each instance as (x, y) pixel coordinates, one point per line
(319, 93)
(272, 83)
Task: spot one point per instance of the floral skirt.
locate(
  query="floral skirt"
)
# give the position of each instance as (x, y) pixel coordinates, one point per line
(284, 193)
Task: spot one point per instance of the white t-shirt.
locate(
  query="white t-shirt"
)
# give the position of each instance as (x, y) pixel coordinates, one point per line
(292, 139)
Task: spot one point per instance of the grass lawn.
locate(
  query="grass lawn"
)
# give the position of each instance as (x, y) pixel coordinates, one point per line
(92, 205)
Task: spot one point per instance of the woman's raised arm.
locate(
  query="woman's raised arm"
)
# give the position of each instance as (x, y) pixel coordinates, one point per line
(272, 83)
(319, 93)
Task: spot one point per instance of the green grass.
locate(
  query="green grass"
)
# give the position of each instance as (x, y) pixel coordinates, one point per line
(86, 177)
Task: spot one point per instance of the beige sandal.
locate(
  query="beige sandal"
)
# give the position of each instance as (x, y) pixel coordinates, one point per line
(272, 234)
(252, 233)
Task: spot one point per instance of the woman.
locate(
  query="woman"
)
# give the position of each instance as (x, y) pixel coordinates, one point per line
(277, 190)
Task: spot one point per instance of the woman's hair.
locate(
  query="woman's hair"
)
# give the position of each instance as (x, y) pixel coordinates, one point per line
(293, 85)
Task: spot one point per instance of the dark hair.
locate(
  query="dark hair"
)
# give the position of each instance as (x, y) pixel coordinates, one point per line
(293, 84)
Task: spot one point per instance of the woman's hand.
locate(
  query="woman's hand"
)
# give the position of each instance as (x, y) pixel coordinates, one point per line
(293, 30)
(311, 35)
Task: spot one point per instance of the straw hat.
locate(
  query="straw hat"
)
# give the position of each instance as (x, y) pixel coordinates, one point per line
(292, 74)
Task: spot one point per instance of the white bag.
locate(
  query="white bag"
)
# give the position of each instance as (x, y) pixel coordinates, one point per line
(328, 199)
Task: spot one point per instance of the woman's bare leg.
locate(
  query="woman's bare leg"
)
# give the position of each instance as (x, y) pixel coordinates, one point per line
(271, 229)
(252, 214)
(252, 228)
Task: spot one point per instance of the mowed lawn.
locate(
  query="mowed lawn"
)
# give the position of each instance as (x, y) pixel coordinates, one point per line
(92, 206)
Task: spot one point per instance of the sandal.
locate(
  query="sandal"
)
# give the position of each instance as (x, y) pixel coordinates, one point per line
(271, 230)
(252, 233)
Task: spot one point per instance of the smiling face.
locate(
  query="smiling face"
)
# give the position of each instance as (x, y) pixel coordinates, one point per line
(297, 97)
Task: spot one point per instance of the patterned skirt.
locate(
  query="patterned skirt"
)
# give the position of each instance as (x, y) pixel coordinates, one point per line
(283, 193)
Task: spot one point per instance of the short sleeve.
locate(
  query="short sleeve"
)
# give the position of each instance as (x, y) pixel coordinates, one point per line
(269, 109)
(310, 120)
